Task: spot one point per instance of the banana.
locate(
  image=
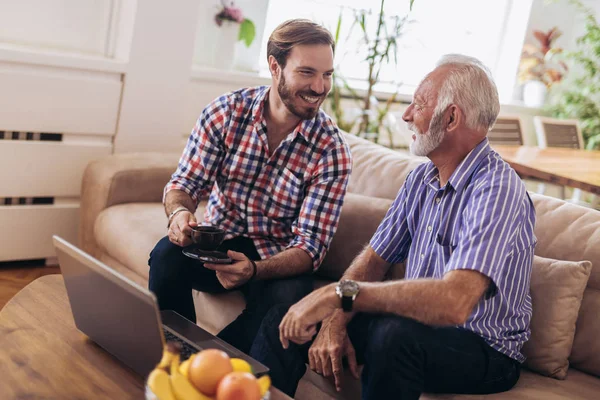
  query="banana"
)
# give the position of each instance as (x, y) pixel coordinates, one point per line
(240, 365)
(168, 353)
(182, 388)
(264, 382)
(160, 384)
(184, 368)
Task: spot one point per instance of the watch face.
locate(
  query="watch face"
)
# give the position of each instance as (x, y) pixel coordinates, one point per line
(348, 288)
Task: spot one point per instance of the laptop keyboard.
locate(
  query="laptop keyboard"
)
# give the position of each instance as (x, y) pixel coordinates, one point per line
(186, 349)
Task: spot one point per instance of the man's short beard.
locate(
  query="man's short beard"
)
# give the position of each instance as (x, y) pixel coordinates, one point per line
(287, 97)
(426, 143)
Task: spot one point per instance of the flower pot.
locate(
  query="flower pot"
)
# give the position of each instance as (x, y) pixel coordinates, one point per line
(534, 94)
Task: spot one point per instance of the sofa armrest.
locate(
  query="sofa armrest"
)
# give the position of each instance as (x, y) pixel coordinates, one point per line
(118, 179)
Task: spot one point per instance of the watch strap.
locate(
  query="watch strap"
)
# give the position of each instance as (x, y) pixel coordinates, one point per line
(347, 303)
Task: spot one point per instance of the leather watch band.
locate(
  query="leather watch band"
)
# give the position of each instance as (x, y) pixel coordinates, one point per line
(347, 303)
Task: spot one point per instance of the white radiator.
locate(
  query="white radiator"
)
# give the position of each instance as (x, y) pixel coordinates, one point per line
(53, 122)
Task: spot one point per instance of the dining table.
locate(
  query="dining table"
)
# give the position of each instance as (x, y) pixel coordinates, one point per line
(561, 166)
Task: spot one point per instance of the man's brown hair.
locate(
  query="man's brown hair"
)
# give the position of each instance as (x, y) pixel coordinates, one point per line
(296, 32)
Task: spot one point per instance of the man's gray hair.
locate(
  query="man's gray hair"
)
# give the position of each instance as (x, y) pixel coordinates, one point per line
(471, 87)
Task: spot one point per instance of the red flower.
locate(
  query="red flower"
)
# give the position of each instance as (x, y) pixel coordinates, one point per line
(229, 13)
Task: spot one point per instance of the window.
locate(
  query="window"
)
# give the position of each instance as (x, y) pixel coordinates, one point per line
(433, 28)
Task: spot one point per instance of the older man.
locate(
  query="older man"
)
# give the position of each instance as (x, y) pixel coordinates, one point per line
(463, 224)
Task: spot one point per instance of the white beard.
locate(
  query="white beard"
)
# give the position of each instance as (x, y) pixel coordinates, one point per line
(425, 143)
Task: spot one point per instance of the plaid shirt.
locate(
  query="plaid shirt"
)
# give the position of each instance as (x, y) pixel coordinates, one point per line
(284, 198)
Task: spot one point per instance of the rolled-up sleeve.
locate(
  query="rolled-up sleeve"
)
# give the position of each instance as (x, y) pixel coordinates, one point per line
(322, 205)
(203, 153)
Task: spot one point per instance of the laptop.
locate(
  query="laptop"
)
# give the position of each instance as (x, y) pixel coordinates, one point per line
(123, 318)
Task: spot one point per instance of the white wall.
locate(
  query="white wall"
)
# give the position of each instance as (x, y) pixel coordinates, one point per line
(156, 77)
(78, 26)
(546, 15)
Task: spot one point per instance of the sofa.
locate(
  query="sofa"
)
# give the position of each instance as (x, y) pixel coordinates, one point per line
(122, 218)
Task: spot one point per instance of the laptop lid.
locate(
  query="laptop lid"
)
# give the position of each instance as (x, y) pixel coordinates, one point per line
(113, 311)
(123, 318)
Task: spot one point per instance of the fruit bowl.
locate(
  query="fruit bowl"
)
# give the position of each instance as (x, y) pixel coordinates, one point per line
(209, 371)
(151, 396)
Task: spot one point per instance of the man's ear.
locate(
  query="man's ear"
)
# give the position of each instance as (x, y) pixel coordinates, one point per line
(274, 67)
(453, 117)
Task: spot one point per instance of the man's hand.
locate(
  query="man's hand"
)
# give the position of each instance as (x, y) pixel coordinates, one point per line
(300, 322)
(180, 230)
(331, 345)
(235, 274)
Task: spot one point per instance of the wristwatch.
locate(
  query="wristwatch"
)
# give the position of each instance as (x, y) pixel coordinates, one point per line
(347, 290)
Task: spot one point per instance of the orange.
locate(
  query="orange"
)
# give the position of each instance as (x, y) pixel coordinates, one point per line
(207, 369)
(238, 386)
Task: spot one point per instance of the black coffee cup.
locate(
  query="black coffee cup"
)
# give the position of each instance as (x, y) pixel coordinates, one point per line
(208, 237)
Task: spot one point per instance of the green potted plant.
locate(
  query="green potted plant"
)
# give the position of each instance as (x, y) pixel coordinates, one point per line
(578, 95)
(539, 68)
(368, 119)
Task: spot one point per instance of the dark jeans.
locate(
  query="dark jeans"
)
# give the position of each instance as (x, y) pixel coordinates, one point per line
(402, 358)
(173, 276)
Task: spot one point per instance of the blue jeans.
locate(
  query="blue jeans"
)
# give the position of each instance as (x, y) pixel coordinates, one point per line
(402, 358)
(173, 276)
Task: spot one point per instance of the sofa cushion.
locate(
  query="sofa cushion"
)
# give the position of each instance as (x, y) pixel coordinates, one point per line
(570, 232)
(556, 291)
(215, 311)
(531, 386)
(586, 346)
(378, 171)
(359, 220)
(128, 232)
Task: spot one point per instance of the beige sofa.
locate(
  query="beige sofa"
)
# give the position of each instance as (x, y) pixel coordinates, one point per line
(122, 218)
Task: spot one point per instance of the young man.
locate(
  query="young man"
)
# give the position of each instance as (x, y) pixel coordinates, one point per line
(275, 168)
(463, 223)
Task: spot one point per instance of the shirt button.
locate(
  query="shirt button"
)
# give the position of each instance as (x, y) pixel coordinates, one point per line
(437, 200)
(429, 228)
(422, 256)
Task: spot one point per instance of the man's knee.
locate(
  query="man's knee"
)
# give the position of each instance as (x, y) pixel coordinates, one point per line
(393, 335)
(288, 291)
(165, 261)
(271, 321)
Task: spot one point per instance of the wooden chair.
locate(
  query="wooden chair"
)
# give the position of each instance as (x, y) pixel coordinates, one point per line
(506, 131)
(565, 133)
(552, 132)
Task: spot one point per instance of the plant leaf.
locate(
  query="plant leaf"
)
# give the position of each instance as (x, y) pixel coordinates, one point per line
(247, 32)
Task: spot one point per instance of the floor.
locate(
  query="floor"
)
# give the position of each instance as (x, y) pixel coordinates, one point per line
(16, 275)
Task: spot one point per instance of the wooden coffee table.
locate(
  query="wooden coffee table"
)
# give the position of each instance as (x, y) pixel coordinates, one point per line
(43, 355)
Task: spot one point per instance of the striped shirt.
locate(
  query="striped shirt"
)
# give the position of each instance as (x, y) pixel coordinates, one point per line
(481, 220)
(288, 197)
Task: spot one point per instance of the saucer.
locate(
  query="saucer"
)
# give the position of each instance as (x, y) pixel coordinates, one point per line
(212, 257)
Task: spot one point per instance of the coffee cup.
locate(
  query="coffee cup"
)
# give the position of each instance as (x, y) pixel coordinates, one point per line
(207, 237)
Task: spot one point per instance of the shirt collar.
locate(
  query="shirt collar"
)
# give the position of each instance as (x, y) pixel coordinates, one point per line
(465, 169)
(259, 103)
(303, 128)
